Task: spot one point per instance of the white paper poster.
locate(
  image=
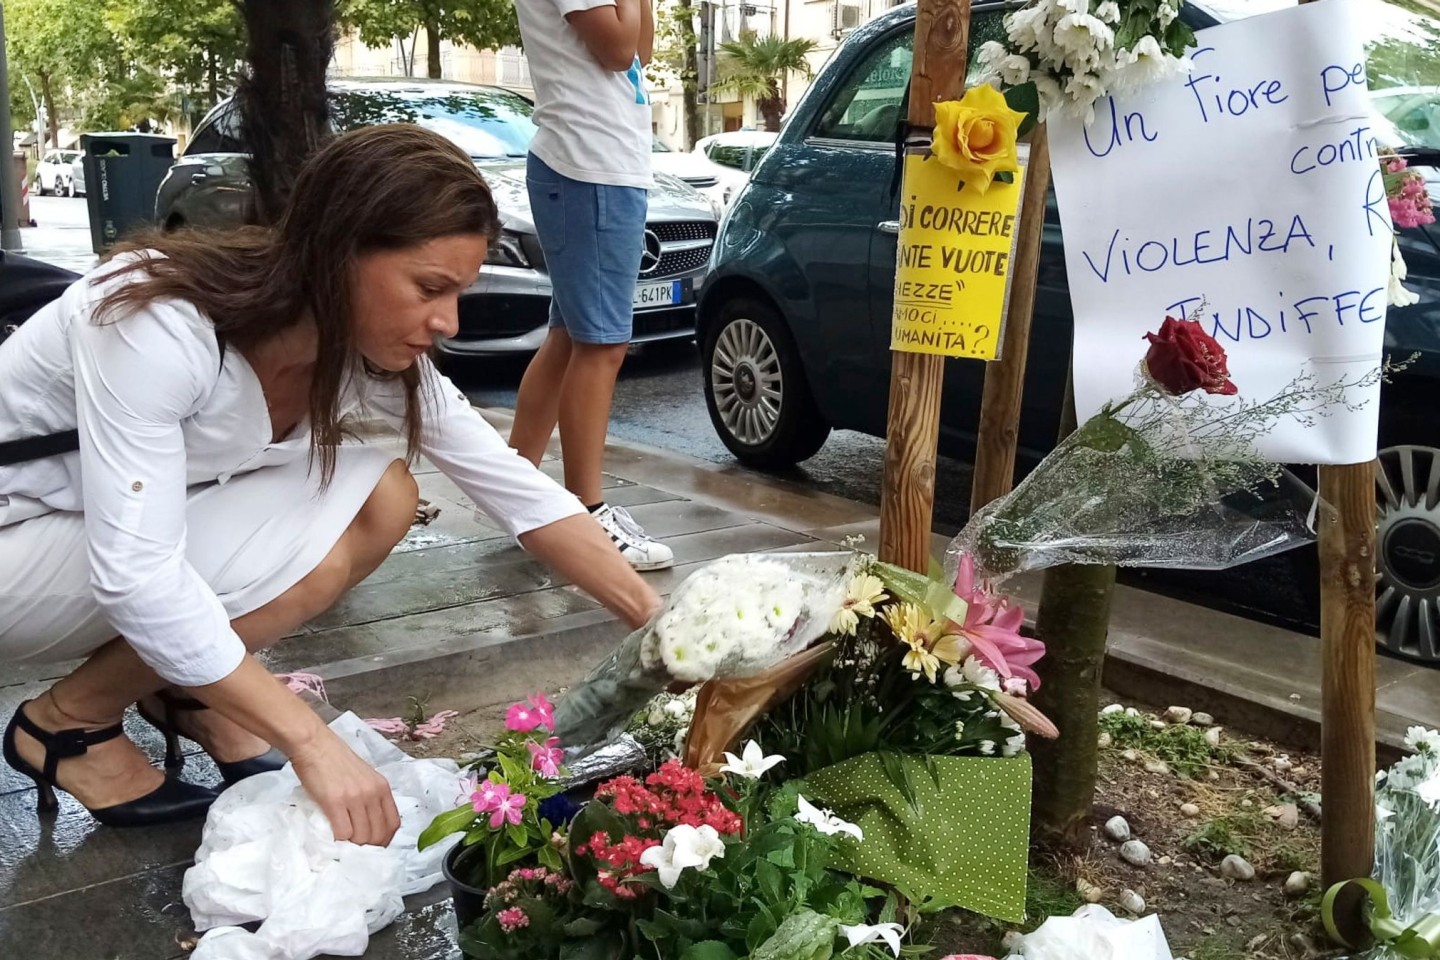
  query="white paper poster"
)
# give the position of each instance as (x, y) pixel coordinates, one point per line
(1251, 185)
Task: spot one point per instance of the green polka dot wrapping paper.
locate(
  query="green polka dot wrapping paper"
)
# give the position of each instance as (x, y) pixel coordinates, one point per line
(965, 843)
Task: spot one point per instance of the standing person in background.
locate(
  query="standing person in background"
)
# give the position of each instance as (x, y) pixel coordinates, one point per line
(588, 175)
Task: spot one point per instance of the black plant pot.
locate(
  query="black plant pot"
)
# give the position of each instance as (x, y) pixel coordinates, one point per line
(469, 900)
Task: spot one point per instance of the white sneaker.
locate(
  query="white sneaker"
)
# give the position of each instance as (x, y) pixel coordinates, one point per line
(643, 552)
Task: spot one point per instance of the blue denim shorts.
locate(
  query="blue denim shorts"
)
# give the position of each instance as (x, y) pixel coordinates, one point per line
(593, 236)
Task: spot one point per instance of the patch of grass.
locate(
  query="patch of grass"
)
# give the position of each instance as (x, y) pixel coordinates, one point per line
(1182, 748)
(1221, 837)
(1047, 895)
(1213, 948)
(1288, 856)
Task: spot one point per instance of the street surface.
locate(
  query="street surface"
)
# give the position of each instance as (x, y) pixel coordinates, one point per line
(659, 402)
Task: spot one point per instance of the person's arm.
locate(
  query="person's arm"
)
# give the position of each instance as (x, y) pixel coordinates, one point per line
(646, 48)
(136, 380)
(544, 517)
(612, 30)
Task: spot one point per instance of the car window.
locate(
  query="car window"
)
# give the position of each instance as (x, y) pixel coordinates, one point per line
(218, 133)
(868, 104)
(756, 152)
(728, 155)
(488, 123)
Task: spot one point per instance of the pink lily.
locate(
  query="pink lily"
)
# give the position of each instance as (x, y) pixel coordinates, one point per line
(522, 718)
(546, 760)
(510, 809)
(544, 708)
(993, 628)
(488, 796)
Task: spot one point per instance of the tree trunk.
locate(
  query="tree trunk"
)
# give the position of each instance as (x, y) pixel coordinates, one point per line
(284, 108)
(212, 78)
(432, 52)
(772, 108)
(1073, 621)
(52, 119)
(689, 73)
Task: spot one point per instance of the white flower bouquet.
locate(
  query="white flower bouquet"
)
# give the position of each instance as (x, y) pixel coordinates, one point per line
(734, 618)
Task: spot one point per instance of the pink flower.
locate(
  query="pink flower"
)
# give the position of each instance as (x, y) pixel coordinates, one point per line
(546, 760)
(993, 628)
(512, 919)
(434, 726)
(509, 808)
(966, 956)
(544, 708)
(522, 718)
(488, 795)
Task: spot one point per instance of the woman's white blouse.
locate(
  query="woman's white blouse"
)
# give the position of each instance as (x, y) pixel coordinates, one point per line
(158, 412)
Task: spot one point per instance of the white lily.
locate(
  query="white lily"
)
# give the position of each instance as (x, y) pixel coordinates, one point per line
(823, 820)
(752, 763)
(890, 933)
(683, 847)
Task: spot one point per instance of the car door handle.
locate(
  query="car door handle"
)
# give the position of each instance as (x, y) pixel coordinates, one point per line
(889, 226)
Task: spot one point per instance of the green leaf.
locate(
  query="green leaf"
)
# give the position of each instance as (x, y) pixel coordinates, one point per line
(899, 776)
(517, 835)
(550, 857)
(1024, 99)
(445, 824)
(512, 855)
(709, 950)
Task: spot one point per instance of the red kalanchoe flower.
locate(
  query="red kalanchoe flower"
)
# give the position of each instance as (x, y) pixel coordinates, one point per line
(1183, 357)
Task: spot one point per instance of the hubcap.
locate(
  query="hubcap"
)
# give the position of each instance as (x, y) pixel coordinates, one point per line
(1407, 605)
(745, 378)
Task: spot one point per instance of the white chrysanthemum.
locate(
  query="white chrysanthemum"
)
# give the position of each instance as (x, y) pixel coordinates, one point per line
(1166, 14)
(987, 748)
(1014, 746)
(1080, 38)
(1051, 96)
(1014, 70)
(1399, 295)
(1074, 6)
(1031, 28)
(979, 675)
(1083, 90)
(991, 51)
(1109, 11)
(1423, 740)
(1142, 65)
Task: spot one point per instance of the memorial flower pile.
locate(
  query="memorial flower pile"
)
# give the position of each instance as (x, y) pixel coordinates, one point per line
(1166, 476)
(1074, 51)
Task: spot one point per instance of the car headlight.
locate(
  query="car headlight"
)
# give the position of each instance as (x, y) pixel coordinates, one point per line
(507, 252)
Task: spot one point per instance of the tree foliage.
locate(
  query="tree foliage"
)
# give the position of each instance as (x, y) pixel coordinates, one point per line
(677, 55)
(482, 24)
(755, 66)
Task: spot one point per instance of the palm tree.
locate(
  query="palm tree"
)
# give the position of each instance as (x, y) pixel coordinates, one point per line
(755, 67)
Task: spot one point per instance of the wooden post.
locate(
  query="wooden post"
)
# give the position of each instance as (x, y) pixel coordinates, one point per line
(999, 431)
(907, 499)
(1347, 638)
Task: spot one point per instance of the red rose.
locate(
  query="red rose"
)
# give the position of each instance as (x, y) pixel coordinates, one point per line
(1182, 357)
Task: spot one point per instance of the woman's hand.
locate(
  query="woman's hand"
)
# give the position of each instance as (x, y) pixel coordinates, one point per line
(581, 550)
(356, 799)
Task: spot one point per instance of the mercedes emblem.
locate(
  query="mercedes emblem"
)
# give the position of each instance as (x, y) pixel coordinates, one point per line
(650, 258)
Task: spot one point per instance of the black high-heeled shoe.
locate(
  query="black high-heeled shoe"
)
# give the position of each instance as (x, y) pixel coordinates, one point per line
(231, 771)
(171, 802)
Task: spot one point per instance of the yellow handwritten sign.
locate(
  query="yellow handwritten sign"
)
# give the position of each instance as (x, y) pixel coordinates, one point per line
(953, 263)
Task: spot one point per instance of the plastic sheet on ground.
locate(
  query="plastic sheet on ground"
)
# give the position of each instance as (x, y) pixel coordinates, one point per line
(1094, 933)
(267, 854)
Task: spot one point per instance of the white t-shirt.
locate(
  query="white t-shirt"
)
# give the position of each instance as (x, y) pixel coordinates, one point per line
(594, 123)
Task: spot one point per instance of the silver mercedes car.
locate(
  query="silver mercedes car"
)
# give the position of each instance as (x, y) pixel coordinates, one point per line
(506, 309)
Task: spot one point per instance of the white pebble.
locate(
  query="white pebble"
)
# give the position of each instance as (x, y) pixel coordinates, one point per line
(1298, 772)
(1297, 884)
(1117, 829)
(1286, 815)
(1131, 712)
(1203, 720)
(1131, 755)
(1156, 766)
(1189, 810)
(1157, 724)
(1089, 892)
(1105, 740)
(1281, 763)
(1246, 804)
(1111, 710)
(1011, 941)
(1212, 776)
(1165, 861)
(1132, 902)
(1135, 853)
(1235, 867)
(1178, 715)
(1212, 737)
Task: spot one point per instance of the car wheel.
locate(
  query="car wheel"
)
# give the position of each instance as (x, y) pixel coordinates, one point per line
(39, 187)
(756, 390)
(1407, 538)
(63, 189)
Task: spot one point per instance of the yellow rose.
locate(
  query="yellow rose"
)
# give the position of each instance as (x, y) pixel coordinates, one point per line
(976, 135)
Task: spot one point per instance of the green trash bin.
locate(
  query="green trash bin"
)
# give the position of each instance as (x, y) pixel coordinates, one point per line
(122, 174)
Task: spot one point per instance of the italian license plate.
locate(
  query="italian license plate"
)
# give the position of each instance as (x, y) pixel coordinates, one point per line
(657, 294)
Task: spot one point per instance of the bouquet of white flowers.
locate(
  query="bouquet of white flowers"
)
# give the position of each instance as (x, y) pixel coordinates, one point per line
(733, 618)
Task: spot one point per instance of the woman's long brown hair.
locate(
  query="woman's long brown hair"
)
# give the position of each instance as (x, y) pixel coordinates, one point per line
(379, 188)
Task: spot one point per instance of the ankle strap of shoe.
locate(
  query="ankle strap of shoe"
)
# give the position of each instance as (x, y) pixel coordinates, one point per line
(63, 744)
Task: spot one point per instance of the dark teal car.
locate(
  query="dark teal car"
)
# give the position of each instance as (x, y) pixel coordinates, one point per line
(794, 324)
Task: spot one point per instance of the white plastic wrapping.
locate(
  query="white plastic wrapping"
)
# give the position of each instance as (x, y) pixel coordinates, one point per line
(1094, 933)
(268, 854)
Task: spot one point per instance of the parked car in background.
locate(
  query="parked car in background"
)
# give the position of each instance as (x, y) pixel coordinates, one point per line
(735, 156)
(795, 319)
(506, 310)
(77, 177)
(55, 172)
(694, 169)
